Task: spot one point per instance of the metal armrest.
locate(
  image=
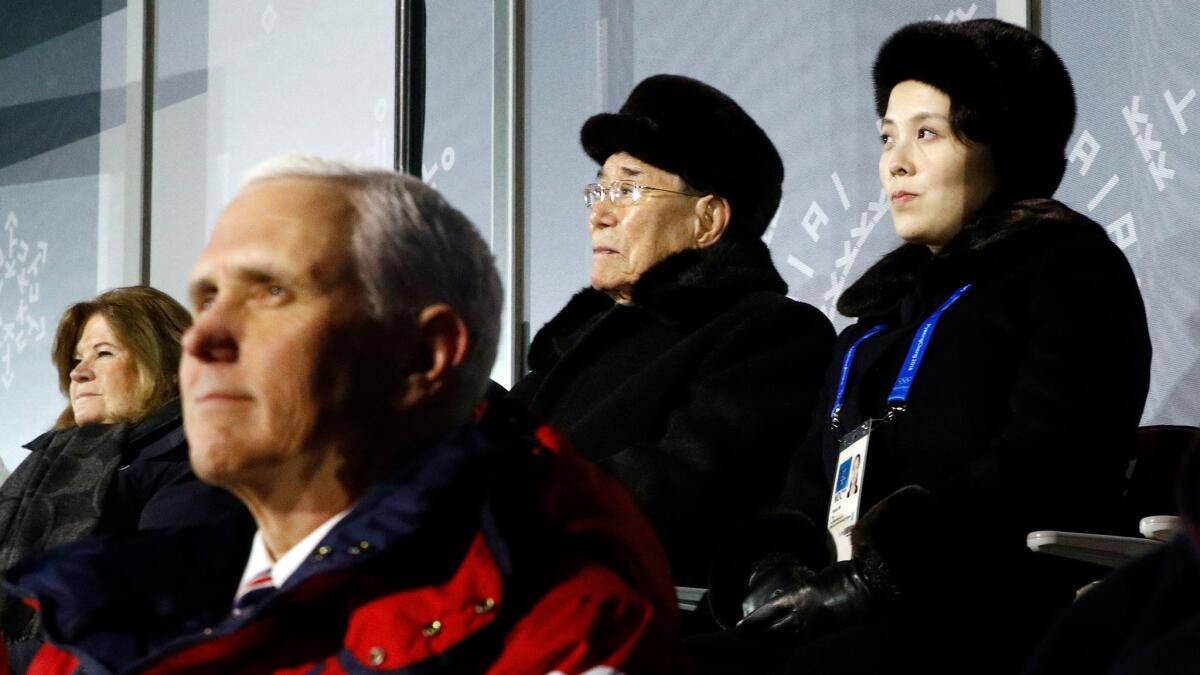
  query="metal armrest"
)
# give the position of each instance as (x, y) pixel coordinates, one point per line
(689, 597)
(1160, 528)
(1102, 549)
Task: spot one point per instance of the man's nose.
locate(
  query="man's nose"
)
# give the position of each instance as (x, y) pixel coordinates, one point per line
(602, 214)
(213, 336)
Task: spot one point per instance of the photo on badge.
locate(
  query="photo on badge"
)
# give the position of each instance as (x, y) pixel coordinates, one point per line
(855, 472)
(842, 484)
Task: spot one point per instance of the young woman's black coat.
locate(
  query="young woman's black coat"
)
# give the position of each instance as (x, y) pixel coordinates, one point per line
(692, 394)
(1021, 417)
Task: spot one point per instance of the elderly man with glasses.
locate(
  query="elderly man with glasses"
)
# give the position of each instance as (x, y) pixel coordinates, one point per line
(683, 370)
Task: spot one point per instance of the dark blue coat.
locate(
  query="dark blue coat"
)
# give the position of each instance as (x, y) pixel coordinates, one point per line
(154, 486)
(100, 480)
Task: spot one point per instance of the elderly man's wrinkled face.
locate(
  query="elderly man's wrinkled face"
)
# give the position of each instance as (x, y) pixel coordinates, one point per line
(628, 240)
(275, 298)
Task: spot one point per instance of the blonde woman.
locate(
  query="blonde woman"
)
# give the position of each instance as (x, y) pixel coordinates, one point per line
(116, 460)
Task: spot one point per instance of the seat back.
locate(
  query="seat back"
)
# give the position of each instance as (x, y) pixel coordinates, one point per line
(1152, 484)
(1150, 491)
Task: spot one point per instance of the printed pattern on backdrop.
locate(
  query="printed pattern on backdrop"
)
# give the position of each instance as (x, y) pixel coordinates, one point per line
(22, 318)
(1134, 167)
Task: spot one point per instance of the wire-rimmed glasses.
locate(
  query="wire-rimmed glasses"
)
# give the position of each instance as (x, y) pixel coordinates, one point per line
(623, 192)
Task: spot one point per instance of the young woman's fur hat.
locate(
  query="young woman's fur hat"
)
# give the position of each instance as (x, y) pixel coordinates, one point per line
(1007, 89)
(690, 129)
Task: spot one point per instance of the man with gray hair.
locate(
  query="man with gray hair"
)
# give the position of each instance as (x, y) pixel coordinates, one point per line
(345, 323)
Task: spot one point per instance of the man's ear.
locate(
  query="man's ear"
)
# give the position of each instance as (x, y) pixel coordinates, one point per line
(712, 217)
(439, 348)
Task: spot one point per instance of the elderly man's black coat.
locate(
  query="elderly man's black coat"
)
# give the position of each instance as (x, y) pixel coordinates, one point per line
(692, 395)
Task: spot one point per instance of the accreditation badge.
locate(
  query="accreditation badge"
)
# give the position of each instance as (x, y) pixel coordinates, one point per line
(847, 486)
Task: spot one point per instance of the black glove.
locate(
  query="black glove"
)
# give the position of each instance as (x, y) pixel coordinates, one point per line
(756, 545)
(772, 577)
(787, 601)
(895, 559)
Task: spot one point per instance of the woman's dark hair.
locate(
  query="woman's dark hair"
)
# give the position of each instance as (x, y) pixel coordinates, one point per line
(146, 322)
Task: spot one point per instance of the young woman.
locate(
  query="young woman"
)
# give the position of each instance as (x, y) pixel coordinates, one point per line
(995, 378)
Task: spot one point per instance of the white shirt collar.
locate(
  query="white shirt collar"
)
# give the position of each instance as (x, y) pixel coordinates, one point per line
(260, 558)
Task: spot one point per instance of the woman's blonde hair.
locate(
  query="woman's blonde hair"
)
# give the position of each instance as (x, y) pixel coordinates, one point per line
(147, 323)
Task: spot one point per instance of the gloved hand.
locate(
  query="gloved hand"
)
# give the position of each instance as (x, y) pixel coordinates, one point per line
(755, 546)
(775, 575)
(786, 601)
(895, 561)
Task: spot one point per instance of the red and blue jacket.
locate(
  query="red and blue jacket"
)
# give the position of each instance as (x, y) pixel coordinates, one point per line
(494, 550)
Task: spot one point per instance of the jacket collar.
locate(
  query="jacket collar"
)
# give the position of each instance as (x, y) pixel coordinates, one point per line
(166, 417)
(683, 289)
(993, 242)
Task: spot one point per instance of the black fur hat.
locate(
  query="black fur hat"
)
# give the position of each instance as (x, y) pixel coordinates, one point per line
(1007, 89)
(692, 130)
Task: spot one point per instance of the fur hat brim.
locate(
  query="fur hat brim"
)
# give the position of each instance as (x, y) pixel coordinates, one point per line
(688, 128)
(1008, 90)
(607, 134)
(938, 55)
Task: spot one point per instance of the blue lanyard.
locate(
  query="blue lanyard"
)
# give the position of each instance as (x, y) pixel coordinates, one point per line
(898, 397)
(840, 397)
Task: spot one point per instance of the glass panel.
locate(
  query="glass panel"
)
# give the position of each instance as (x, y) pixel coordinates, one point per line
(61, 115)
(457, 149)
(239, 82)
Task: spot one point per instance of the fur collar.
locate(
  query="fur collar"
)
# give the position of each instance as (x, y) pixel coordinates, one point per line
(685, 288)
(991, 243)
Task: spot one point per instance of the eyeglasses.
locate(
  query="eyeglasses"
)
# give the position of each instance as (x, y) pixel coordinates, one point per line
(623, 193)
